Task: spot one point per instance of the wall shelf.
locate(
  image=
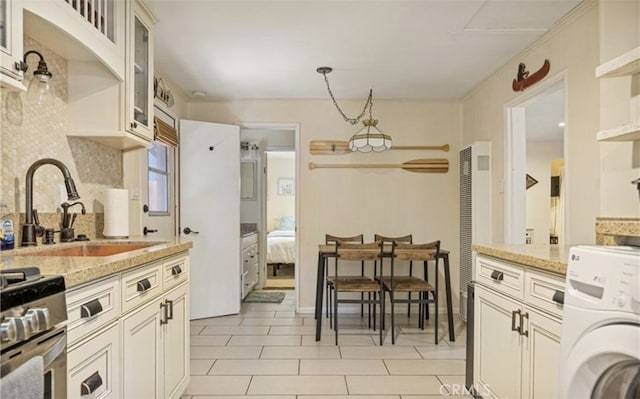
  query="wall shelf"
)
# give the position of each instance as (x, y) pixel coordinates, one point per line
(628, 132)
(627, 64)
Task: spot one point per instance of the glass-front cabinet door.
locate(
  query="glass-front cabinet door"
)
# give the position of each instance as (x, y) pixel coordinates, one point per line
(10, 42)
(140, 88)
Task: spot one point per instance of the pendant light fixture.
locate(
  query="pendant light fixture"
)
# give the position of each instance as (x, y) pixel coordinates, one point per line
(40, 91)
(368, 138)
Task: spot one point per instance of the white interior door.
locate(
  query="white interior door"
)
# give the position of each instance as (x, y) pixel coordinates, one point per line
(210, 208)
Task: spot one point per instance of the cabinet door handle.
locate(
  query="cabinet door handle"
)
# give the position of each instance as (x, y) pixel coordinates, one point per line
(170, 306)
(165, 309)
(513, 321)
(522, 317)
(497, 275)
(558, 297)
(90, 309)
(143, 285)
(175, 270)
(93, 382)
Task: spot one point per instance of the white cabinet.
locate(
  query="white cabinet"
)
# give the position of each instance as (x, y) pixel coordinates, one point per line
(142, 352)
(139, 83)
(94, 366)
(156, 347)
(10, 44)
(129, 333)
(250, 260)
(517, 331)
(176, 343)
(109, 110)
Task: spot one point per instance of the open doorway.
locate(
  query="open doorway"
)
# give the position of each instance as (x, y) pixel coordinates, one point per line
(282, 140)
(535, 197)
(280, 179)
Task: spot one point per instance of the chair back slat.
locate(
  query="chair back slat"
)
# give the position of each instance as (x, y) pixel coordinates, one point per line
(419, 252)
(331, 239)
(387, 239)
(361, 252)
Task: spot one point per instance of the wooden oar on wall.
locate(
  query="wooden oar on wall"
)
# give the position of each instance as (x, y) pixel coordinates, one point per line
(335, 147)
(429, 165)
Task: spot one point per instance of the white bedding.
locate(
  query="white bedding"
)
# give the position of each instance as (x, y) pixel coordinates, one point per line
(281, 246)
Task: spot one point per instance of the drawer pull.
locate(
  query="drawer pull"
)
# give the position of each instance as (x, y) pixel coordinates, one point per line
(175, 270)
(90, 385)
(90, 309)
(143, 285)
(522, 330)
(165, 310)
(170, 305)
(558, 297)
(497, 275)
(513, 321)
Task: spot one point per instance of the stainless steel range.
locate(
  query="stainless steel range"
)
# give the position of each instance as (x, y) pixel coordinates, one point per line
(32, 334)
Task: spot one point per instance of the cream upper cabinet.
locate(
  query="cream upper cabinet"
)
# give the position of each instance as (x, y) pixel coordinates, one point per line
(140, 72)
(114, 112)
(10, 44)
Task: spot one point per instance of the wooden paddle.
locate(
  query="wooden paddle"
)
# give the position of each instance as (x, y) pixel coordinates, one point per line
(432, 165)
(335, 147)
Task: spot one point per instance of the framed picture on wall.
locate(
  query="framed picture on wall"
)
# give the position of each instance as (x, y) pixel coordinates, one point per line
(286, 186)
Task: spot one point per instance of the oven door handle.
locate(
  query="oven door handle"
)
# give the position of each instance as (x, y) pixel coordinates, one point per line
(53, 350)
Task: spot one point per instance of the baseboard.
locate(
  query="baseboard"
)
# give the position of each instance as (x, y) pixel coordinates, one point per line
(352, 309)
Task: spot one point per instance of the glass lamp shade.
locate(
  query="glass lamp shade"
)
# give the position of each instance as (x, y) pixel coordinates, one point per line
(369, 138)
(40, 91)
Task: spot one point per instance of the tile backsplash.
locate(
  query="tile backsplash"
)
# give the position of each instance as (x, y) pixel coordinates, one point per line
(29, 133)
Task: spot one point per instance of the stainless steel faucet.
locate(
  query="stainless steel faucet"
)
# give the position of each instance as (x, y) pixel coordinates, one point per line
(29, 227)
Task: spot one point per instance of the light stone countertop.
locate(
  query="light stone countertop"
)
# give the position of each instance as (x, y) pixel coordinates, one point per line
(549, 258)
(78, 270)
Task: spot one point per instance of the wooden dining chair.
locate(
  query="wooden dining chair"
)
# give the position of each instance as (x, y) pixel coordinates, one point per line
(330, 278)
(346, 284)
(408, 239)
(394, 284)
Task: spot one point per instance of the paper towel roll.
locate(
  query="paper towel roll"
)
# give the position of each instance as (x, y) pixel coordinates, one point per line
(116, 213)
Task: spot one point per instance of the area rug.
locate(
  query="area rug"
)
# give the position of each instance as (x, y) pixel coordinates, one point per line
(264, 297)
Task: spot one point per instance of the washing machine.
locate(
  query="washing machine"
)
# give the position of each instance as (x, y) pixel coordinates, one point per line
(600, 341)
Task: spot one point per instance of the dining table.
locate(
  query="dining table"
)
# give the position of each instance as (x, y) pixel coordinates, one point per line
(327, 251)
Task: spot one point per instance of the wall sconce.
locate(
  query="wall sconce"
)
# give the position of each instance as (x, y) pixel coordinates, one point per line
(40, 91)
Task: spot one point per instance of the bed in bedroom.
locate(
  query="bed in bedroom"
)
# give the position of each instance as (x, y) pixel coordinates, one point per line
(281, 244)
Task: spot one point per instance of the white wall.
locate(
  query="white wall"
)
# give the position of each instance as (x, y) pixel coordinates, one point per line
(619, 33)
(368, 201)
(571, 46)
(539, 156)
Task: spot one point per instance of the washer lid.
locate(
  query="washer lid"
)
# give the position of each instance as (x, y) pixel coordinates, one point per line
(597, 361)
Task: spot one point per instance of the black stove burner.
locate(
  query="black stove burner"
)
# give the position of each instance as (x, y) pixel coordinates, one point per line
(20, 286)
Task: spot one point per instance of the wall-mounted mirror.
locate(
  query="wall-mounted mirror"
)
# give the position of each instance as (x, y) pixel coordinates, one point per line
(248, 180)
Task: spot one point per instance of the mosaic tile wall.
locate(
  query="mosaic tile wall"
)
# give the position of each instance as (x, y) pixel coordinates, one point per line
(29, 133)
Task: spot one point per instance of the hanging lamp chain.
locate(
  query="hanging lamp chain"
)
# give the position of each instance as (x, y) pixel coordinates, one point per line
(367, 105)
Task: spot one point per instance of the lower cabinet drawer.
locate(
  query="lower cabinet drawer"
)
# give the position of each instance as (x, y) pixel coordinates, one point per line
(141, 285)
(175, 271)
(93, 368)
(545, 292)
(91, 307)
(502, 276)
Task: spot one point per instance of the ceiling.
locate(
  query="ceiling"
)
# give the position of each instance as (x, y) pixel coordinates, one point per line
(543, 114)
(420, 49)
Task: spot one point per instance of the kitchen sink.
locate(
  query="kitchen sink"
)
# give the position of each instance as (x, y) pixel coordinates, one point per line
(93, 249)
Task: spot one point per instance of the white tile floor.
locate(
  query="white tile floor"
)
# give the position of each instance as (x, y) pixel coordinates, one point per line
(269, 352)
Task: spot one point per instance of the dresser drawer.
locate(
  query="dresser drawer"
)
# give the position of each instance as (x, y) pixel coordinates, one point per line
(91, 307)
(141, 285)
(544, 291)
(175, 271)
(93, 367)
(501, 276)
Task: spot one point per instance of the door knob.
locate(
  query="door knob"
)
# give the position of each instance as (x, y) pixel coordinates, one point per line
(147, 230)
(187, 230)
